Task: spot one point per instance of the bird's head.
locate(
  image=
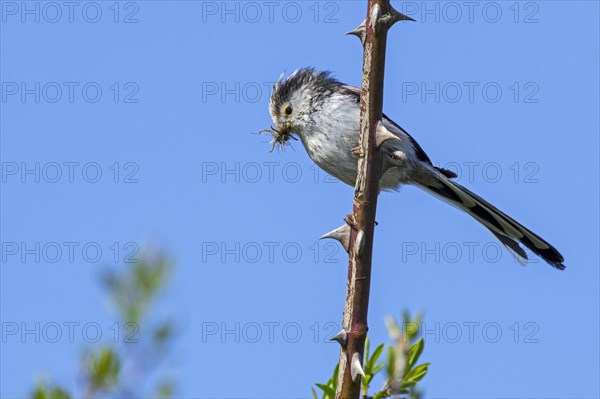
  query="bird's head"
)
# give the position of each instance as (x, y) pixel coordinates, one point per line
(294, 99)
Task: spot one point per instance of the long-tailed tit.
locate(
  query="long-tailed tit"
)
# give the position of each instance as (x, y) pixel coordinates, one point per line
(325, 114)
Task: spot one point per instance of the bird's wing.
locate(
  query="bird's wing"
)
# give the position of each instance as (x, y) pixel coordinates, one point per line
(397, 130)
(419, 152)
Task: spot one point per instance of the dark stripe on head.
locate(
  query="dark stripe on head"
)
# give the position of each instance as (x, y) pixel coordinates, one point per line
(321, 83)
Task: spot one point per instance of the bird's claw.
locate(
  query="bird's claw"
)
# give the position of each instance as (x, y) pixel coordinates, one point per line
(349, 219)
(358, 152)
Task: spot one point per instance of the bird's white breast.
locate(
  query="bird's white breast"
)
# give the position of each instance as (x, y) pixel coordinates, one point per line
(332, 134)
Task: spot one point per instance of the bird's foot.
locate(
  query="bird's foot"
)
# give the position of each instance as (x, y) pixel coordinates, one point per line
(358, 152)
(349, 219)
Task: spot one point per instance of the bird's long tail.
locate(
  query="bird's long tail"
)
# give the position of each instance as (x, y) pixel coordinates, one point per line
(505, 228)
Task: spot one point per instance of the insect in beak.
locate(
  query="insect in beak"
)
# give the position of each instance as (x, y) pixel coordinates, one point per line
(279, 136)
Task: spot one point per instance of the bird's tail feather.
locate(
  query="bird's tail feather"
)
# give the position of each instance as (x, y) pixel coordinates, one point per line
(505, 228)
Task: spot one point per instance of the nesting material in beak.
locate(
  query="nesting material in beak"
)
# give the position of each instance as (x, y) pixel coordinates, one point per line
(280, 137)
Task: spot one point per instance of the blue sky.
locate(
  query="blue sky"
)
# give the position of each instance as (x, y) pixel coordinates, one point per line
(136, 120)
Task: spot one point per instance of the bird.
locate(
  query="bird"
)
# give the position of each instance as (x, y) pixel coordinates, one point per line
(324, 114)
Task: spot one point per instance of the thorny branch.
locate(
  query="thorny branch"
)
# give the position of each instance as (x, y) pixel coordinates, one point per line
(373, 34)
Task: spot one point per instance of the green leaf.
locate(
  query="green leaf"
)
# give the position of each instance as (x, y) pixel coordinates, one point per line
(364, 382)
(327, 390)
(382, 394)
(102, 369)
(371, 362)
(334, 379)
(406, 385)
(370, 366)
(164, 332)
(133, 290)
(377, 368)
(409, 334)
(413, 354)
(417, 374)
(406, 316)
(44, 392)
(314, 393)
(391, 362)
(165, 390)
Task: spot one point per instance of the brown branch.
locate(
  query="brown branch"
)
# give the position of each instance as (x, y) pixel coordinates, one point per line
(373, 33)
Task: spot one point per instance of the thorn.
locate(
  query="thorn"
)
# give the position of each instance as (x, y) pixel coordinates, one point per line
(387, 20)
(360, 32)
(342, 234)
(341, 338)
(360, 242)
(383, 134)
(398, 16)
(356, 368)
(393, 17)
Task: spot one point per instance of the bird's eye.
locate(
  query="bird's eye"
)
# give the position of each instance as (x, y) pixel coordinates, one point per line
(287, 110)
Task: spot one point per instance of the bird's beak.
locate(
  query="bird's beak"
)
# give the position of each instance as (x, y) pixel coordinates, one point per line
(283, 130)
